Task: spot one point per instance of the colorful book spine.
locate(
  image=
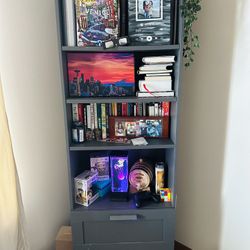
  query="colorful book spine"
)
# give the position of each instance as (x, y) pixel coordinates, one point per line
(88, 117)
(104, 127)
(95, 116)
(165, 108)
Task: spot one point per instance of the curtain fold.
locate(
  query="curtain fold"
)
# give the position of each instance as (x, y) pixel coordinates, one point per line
(12, 232)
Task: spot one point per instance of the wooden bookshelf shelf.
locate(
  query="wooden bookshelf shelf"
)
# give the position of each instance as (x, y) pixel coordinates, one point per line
(121, 100)
(121, 49)
(95, 145)
(106, 204)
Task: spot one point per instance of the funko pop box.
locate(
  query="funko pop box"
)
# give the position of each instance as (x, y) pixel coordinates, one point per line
(85, 193)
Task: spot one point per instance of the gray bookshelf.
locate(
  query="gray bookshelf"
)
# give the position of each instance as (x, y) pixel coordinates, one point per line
(108, 225)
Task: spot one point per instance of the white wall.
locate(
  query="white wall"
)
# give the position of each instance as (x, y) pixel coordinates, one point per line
(29, 68)
(213, 160)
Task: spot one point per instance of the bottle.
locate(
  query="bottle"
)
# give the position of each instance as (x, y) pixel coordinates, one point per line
(77, 132)
(159, 176)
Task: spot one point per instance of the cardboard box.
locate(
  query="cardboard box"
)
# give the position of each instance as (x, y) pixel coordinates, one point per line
(85, 194)
(64, 238)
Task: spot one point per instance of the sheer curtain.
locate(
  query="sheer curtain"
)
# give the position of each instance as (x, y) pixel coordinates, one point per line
(12, 233)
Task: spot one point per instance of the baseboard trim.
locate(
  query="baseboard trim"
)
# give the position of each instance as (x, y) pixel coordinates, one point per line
(179, 246)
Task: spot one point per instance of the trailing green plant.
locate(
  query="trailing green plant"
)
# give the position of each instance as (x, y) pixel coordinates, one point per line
(190, 10)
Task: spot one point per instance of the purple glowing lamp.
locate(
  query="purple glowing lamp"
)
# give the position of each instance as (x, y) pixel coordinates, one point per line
(119, 173)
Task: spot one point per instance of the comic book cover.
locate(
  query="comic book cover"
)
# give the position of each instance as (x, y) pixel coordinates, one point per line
(96, 21)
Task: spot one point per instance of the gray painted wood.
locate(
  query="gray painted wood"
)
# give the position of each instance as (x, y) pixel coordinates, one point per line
(121, 49)
(95, 145)
(94, 228)
(160, 218)
(121, 99)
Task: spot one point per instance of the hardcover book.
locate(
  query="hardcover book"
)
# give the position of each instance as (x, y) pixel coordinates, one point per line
(96, 21)
(150, 22)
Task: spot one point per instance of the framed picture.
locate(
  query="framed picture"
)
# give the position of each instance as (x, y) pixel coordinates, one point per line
(97, 21)
(132, 127)
(150, 22)
(149, 10)
(101, 74)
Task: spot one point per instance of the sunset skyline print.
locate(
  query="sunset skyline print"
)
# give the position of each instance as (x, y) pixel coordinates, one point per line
(108, 68)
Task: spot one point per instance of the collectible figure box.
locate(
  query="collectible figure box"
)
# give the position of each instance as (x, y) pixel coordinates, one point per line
(100, 164)
(85, 194)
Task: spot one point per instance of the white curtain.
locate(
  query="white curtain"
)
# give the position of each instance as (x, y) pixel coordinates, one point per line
(12, 233)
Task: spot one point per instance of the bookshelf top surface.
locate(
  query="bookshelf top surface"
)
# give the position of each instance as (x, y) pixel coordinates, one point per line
(131, 99)
(106, 204)
(121, 48)
(96, 145)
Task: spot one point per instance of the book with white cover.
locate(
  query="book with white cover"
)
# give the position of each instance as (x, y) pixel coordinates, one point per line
(156, 66)
(158, 59)
(69, 20)
(140, 72)
(158, 74)
(158, 78)
(153, 86)
(155, 94)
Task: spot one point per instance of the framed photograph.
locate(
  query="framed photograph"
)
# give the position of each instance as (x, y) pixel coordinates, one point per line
(101, 74)
(132, 127)
(150, 22)
(149, 10)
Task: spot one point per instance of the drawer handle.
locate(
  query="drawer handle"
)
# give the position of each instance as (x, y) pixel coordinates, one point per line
(123, 217)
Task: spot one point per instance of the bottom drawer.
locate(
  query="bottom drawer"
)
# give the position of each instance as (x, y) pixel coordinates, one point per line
(137, 246)
(124, 229)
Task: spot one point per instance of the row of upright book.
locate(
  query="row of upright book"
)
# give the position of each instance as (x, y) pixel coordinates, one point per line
(91, 121)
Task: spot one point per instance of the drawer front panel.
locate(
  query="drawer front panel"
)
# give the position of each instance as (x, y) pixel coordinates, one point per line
(139, 246)
(99, 228)
(123, 231)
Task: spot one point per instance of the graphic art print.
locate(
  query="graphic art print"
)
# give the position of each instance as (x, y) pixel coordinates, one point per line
(96, 21)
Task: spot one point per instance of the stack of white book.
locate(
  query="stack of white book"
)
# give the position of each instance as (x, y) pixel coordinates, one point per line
(158, 80)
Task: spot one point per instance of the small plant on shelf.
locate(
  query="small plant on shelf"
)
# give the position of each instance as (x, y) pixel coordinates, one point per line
(190, 10)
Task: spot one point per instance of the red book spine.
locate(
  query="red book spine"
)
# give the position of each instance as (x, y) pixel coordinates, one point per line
(80, 112)
(124, 109)
(165, 108)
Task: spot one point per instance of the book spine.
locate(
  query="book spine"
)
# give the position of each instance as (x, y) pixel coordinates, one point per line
(75, 112)
(151, 109)
(140, 109)
(165, 108)
(124, 109)
(88, 116)
(134, 109)
(95, 116)
(104, 128)
(144, 109)
(80, 112)
(85, 117)
(160, 109)
(99, 116)
(119, 109)
(156, 109)
(69, 21)
(92, 116)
